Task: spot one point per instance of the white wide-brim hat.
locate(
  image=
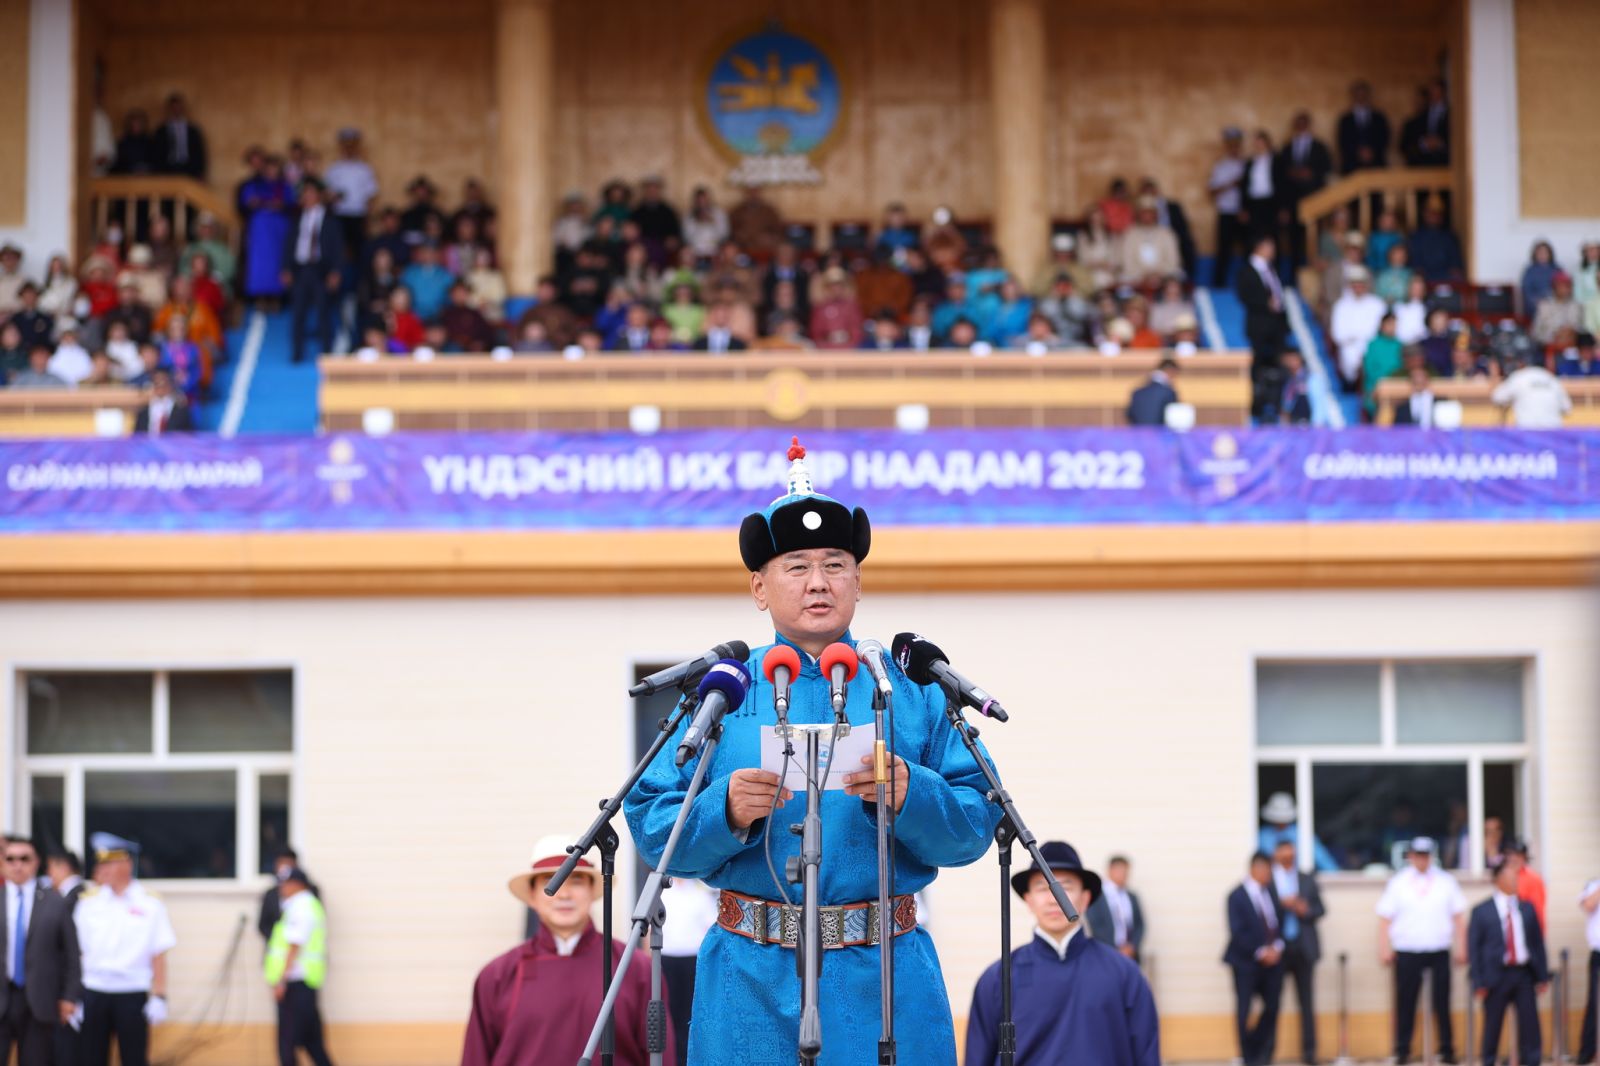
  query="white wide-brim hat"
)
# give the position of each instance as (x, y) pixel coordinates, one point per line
(548, 855)
(1280, 809)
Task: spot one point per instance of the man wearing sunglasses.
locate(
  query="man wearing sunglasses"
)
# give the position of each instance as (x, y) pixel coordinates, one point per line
(42, 980)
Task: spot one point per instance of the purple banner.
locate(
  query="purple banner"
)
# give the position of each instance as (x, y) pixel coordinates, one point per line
(713, 478)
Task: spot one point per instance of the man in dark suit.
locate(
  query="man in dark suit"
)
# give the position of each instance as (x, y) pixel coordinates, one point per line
(1425, 137)
(1305, 163)
(166, 412)
(718, 337)
(40, 945)
(179, 143)
(1170, 213)
(313, 257)
(1116, 918)
(1148, 404)
(1302, 909)
(1507, 965)
(1266, 320)
(1363, 133)
(1255, 954)
(66, 877)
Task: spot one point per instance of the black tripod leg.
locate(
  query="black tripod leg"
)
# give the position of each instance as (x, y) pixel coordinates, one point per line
(1004, 834)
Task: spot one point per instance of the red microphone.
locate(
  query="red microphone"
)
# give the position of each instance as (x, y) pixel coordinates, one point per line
(839, 663)
(781, 665)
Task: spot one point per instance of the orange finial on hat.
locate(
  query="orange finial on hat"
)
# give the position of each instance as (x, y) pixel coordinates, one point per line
(796, 449)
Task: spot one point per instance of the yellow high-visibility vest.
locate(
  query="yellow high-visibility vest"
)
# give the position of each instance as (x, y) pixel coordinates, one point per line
(313, 956)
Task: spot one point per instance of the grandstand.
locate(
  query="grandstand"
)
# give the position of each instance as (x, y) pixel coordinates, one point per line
(384, 381)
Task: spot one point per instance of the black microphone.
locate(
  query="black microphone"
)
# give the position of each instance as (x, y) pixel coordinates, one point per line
(925, 664)
(687, 671)
(872, 657)
(721, 690)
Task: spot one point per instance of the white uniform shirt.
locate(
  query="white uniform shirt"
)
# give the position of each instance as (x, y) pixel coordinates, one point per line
(1536, 398)
(353, 184)
(691, 912)
(298, 922)
(120, 937)
(1261, 177)
(1593, 926)
(1227, 170)
(1503, 906)
(1421, 908)
(15, 895)
(1121, 908)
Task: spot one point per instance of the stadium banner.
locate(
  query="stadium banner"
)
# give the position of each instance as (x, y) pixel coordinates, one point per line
(712, 478)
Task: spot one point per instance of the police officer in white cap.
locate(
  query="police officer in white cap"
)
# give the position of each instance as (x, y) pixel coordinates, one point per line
(125, 936)
(1422, 918)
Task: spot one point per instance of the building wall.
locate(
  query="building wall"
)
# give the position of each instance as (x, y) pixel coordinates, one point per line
(415, 77)
(1135, 90)
(1560, 146)
(440, 736)
(14, 113)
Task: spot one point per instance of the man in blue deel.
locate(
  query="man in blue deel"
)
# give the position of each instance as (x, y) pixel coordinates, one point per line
(1076, 1000)
(804, 554)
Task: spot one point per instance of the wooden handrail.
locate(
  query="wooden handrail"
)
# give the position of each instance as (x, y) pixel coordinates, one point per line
(1478, 409)
(1328, 199)
(132, 189)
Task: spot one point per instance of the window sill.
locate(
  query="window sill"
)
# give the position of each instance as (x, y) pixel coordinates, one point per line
(194, 888)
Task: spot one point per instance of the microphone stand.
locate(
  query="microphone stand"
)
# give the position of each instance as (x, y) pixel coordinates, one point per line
(649, 914)
(804, 868)
(1011, 827)
(886, 929)
(602, 835)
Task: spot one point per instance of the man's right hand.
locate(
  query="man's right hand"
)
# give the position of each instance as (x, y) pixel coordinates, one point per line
(1386, 955)
(750, 796)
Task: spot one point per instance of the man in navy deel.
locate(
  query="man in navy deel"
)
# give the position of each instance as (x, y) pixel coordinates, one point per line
(1075, 999)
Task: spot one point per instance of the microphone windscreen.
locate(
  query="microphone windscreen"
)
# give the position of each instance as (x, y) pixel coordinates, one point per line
(734, 649)
(728, 677)
(781, 655)
(916, 656)
(839, 654)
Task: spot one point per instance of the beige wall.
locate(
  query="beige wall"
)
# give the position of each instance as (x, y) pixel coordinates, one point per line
(416, 77)
(1560, 143)
(1135, 89)
(14, 112)
(439, 737)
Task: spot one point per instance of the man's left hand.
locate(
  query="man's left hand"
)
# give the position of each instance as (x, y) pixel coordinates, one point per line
(278, 990)
(1127, 949)
(863, 783)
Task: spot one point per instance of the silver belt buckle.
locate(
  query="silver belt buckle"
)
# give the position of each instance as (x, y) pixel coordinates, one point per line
(758, 920)
(872, 922)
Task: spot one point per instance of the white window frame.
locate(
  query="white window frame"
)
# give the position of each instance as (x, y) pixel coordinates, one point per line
(1523, 755)
(247, 767)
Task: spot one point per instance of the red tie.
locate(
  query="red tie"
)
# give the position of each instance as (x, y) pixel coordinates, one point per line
(1511, 935)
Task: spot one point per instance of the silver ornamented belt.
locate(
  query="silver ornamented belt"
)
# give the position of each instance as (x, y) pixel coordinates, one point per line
(844, 925)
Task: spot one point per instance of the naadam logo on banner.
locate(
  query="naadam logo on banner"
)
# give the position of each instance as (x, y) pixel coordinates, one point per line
(1225, 467)
(341, 471)
(772, 103)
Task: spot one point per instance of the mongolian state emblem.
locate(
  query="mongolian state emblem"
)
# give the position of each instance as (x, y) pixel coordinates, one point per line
(772, 103)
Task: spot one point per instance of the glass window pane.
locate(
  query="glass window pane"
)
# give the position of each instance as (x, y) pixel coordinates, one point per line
(184, 820)
(1365, 812)
(49, 817)
(231, 711)
(1317, 703)
(96, 713)
(1458, 702)
(274, 795)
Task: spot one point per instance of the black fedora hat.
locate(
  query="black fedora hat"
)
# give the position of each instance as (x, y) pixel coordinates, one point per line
(1063, 857)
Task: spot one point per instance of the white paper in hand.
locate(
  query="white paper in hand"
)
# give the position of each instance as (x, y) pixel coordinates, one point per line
(845, 754)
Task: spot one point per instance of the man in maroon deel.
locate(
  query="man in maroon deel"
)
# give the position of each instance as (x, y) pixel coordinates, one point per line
(535, 1005)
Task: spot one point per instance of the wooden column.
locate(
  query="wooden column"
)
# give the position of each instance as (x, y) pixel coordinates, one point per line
(524, 70)
(1017, 88)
